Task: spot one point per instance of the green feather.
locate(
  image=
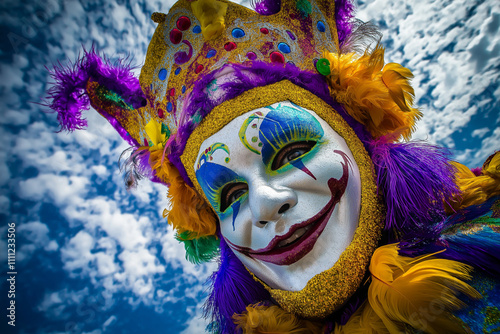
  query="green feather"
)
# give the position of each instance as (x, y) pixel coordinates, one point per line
(199, 250)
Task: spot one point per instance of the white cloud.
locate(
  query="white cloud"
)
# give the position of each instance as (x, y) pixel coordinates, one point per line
(196, 323)
(76, 254)
(480, 132)
(4, 204)
(62, 190)
(37, 234)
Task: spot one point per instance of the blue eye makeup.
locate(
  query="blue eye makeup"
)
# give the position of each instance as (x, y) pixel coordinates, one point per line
(288, 133)
(213, 179)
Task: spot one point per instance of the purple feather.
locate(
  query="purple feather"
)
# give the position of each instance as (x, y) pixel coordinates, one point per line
(416, 180)
(479, 247)
(69, 97)
(266, 7)
(233, 288)
(344, 13)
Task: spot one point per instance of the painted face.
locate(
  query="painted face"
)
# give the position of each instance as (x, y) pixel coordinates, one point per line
(286, 189)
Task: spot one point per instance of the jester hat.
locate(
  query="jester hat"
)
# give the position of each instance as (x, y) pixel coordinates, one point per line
(210, 61)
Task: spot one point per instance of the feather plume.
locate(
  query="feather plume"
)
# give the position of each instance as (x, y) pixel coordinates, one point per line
(258, 318)
(378, 96)
(362, 38)
(363, 321)
(68, 96)
(415, 179)
(199, 250)
(476, 189)
(266, 7)
(188, 211)
(344, 13)
(419, 291)
(471, 236)
(233, 288)
(136, 166)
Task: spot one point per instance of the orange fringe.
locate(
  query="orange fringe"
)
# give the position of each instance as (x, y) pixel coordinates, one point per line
(260, 319)
(189, 211)
(378, 96)
(477, 189)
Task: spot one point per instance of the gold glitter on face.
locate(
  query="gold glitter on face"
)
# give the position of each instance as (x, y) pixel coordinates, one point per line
(327, 291)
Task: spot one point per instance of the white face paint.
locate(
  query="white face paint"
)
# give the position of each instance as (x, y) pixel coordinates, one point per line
(287, 191)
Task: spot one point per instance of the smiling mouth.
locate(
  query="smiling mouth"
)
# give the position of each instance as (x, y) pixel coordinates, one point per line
(300, 239)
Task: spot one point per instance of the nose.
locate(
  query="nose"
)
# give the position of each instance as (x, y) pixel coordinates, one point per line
(268, 203)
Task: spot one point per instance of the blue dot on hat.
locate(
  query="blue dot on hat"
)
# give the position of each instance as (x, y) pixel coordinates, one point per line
(321, 26)
(169, 107)
(197, 29)
(162, 75)
(238, 33)
(283, 47)
(211, 53)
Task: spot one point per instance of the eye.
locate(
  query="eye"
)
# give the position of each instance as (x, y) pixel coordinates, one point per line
(231, 193)
(291, 152)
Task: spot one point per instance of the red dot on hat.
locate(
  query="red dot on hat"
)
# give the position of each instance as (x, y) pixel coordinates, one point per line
(229, 46)
(265, 31)
(199, 68)
(175, 36)
(172, 92)
(277, 57)
(183, 23)
(161, 113)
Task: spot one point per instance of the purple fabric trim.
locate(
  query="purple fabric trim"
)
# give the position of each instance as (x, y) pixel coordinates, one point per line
(233, 288)
(266, 7)
(69, 97)
(415, 180)
(259, 74)
(344, 12)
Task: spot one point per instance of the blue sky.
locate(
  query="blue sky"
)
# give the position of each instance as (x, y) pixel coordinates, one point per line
(93, 258)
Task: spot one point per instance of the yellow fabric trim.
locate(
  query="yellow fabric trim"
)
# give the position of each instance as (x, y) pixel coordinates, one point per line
(329, 290)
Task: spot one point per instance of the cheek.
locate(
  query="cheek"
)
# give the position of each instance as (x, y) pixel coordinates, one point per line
(237, 227)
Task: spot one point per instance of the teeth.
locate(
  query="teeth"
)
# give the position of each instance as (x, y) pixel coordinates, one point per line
(296, 235)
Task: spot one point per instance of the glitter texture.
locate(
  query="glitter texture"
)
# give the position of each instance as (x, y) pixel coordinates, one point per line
(242, 36)
(328, 290)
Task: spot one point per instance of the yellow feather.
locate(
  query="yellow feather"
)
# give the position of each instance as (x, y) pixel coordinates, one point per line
(378, 96)
(260, 319)
(476, 189)
(363, 321)
(419, 292)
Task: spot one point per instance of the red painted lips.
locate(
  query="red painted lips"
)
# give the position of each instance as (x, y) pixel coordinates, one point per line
(300, 239)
